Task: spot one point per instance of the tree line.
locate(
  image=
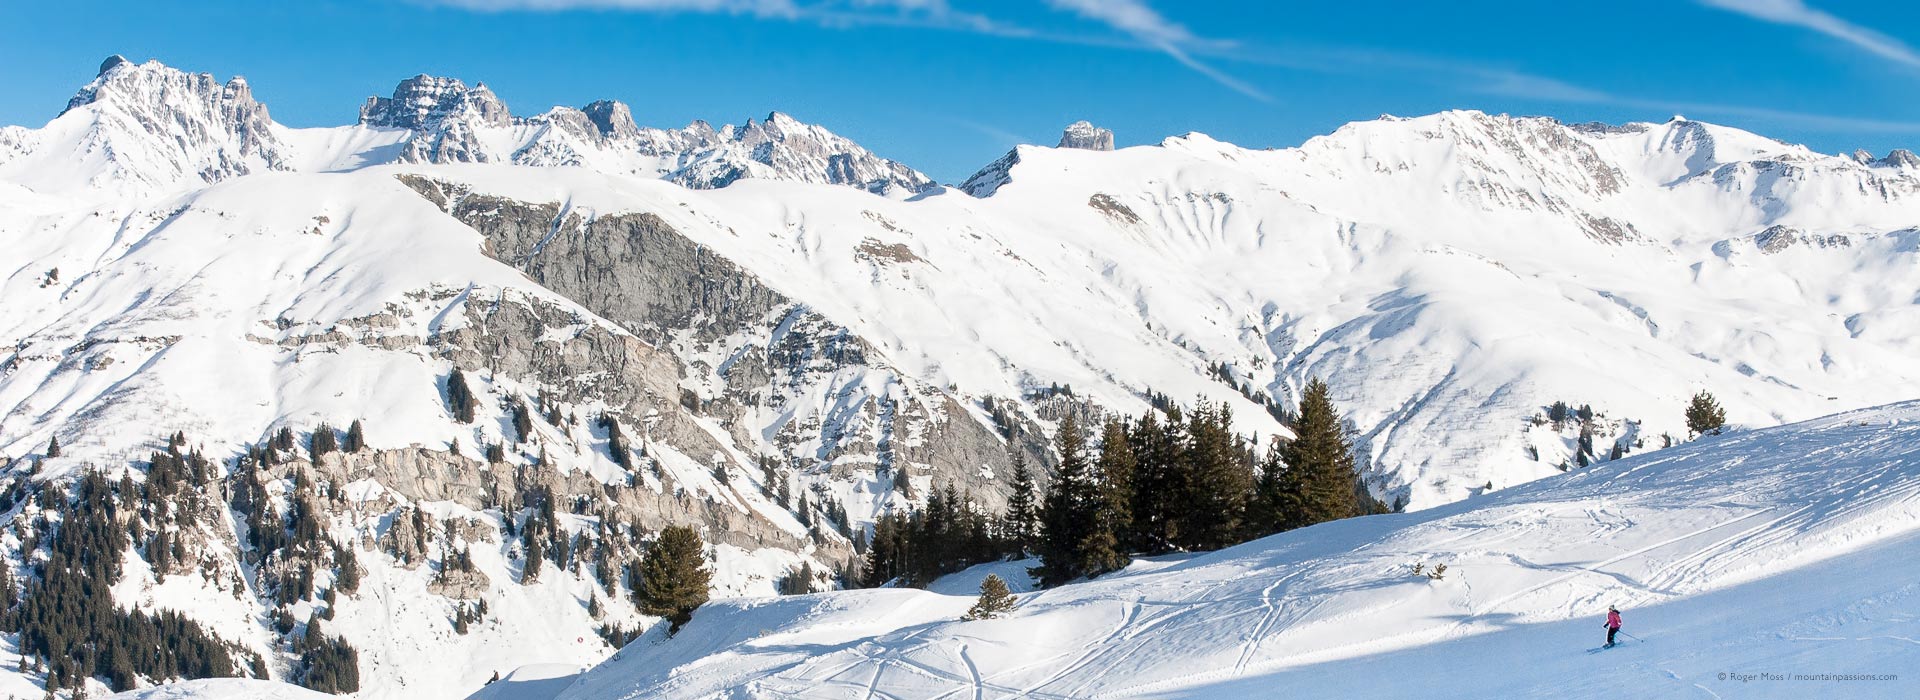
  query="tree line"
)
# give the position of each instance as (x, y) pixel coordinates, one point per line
(1169, 480)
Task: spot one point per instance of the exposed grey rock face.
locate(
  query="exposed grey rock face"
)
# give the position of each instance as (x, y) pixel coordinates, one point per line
(612, 120)
(1776, 238)
(1605, 128)
(1901, 158)
(521, 337)
(1084, 135)
(1862, 157)
(638, 272)
(632, 269)
(991, 178)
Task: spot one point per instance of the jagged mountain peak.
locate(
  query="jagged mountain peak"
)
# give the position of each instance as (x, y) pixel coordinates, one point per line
(147, 85)
(426, 102)
(1901, 158)
(113, 62)
(146, 128)
(614, 119)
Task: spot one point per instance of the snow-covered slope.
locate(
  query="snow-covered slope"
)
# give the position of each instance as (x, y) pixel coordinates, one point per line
(1776, 551)
(1451, 275)
(176, 261)
(224, 689)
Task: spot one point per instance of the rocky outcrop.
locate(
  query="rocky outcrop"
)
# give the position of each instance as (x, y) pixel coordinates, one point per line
(1085, 136)
(637, 271)
(633, 269)
(991, 178)
(459, 584)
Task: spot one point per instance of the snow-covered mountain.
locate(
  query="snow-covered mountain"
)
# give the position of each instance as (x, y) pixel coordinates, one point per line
(728, 327)
(149, 128)
(138, 129)
(1775, 551)
(447, 122)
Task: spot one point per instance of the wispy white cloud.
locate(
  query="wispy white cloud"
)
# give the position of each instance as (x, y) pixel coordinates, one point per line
(1485, 79)
(1142, 26)
(1136, 19)
(927, 13)
(758, 8)
(1797, 13)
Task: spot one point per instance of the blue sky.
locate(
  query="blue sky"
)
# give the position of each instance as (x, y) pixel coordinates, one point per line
(948, 85)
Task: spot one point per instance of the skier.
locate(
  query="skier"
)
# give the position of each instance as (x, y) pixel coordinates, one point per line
(1613, 625)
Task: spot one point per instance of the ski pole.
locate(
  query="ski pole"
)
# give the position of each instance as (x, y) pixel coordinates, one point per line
(1630, 636)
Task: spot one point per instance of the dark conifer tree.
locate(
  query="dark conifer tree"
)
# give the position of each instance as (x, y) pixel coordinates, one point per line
(673, 577)
(522, 421)
(1320, 476)
(53, 446)
(1022, 523)
(322, 442)
(1068, 516)
(1158, 448)
(460, 398)
(994, 600)
(1270, 510)
(356, 438)
(799, 581)
(1106, 543)
(1216, 481)
(889, 551)
(1704, 415)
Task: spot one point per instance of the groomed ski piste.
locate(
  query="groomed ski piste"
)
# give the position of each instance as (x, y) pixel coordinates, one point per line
(1761, 555)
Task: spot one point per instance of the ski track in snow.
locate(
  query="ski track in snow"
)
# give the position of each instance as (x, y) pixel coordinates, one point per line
(1727, 554)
